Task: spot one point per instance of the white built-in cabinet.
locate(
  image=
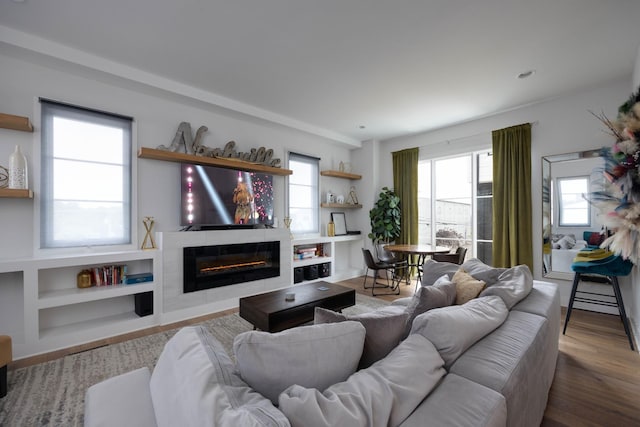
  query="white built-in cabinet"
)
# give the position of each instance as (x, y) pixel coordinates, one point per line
(42, 308)
(339, 251)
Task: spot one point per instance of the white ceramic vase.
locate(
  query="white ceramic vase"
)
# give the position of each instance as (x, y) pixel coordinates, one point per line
(18, 170)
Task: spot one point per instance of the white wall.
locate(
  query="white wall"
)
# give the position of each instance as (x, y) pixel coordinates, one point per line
(24, 78)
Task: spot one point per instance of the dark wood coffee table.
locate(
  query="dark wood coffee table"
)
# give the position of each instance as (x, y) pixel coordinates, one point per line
(270, 312)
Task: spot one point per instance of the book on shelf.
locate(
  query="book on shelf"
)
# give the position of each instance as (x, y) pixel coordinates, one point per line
(108, 275)
(132, 279)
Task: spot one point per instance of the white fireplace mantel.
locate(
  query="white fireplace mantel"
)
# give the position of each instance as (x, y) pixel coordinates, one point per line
(176, 305)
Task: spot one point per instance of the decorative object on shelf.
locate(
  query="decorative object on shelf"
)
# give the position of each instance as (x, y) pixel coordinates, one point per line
(331, 198)
(353, 197)
(619, 199)
(341, 166)
(385, 217)
(18, 170)
(340, 199)
(4, 177)
(183, 140)
(148, 242)
(287, 223)
(84, 279)
(331, 229)
(340, 222)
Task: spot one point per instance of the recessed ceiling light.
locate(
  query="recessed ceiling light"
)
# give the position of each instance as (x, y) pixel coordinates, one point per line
(362, 127)
(526, 74)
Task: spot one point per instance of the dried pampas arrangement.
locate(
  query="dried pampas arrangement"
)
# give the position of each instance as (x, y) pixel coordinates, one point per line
(619, 200)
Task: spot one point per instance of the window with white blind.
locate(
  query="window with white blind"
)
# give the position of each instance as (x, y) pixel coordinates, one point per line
(86, 180)
(304, 204)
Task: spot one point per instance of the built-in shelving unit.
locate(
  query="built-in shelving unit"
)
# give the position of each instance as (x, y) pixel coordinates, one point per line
(13, 193)
(8, 121)
(335, 252)
(227, 163)
(40, 299)
(339, 174)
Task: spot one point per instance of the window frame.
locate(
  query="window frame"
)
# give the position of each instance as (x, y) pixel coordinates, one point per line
(315, 192)
(561, 208)
(43, 239)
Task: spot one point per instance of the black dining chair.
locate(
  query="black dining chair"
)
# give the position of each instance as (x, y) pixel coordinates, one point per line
(400, 265)
(456, 257)
(393, 283)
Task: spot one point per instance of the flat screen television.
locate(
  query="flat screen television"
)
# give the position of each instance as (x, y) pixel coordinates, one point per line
(213, 197)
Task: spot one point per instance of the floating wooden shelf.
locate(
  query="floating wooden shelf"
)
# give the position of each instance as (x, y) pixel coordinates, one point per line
(340, 205)
(170, 156)
(9, 121)
(338, 174)
(16, 194)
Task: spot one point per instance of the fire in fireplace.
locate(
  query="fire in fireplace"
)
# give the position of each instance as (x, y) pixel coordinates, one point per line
(207, 267)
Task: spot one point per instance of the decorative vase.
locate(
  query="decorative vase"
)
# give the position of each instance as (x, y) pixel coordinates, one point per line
(287, 223)
(18, 170)
(331, 229)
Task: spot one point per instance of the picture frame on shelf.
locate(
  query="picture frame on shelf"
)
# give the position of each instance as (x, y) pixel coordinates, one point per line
(340, 222)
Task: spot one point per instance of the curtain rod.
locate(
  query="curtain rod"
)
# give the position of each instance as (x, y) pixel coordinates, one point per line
(448, 141)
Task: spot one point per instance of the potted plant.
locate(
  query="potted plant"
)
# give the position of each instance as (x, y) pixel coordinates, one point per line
(385, 217)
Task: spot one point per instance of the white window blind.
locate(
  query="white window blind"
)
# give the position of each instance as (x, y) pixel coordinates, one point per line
(86, 177)
(304, 203)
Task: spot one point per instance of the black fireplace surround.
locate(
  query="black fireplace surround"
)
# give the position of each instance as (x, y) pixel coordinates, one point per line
(207, 267)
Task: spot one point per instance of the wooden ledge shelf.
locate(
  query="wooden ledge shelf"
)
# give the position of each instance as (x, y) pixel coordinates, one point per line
(170, 156)
(338, 174)
(16, 194)
(340, 205)
(20, 123)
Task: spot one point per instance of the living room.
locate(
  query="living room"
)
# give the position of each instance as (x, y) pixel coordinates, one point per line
(35, 66)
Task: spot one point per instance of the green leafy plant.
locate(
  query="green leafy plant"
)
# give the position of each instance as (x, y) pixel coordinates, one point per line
(385, 217)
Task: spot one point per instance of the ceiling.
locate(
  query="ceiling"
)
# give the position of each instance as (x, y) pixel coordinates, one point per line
(350, 70)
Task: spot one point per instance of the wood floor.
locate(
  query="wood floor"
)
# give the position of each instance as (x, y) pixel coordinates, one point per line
(597, 380)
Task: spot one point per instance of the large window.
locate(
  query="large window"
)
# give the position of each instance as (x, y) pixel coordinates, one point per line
(86, 177)
(455, 202)
(303, 194)
(573, 206)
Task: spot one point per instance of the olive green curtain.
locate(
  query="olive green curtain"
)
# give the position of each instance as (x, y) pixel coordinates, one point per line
(512, 243)
(405, 185)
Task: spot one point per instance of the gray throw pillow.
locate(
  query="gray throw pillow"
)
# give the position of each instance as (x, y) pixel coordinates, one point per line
(313, 356)
(384, 330)
(383, 395)
(513, 285)
(481, 271)
(441, 294)
(452, 330)
(433, 270)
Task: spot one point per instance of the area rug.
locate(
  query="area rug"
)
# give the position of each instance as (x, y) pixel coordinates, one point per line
(52, 393)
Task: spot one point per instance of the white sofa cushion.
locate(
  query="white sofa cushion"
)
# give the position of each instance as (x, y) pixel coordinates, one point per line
(454, 329)
(384, 394)
(385, 328)
(194, 384)
(311, 356)
(441, 294)
(120, 401)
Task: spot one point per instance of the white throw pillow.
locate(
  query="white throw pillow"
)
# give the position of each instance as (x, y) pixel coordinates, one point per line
(456, 328)
(314, 356)
(384, 394)
(194, 384)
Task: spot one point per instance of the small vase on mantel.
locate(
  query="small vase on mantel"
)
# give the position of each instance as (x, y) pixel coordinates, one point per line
(18, 170)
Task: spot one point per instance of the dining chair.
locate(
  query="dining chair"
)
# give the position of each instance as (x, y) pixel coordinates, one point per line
(393, 284)
(456, 257)
(400, 265)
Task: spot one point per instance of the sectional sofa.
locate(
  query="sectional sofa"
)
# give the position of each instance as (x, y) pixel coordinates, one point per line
(423, 361)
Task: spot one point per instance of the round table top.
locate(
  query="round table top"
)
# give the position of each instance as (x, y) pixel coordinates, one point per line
(417, 249)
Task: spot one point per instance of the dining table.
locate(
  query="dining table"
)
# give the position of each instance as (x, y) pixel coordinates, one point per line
(422, 251)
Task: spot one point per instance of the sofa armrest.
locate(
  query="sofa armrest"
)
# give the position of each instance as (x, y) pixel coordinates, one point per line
(124, 400)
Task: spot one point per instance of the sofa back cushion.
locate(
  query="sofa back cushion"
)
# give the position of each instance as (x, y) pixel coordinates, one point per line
(384, 327)
(441, 294)
(384, 394)
(312, 356)
(513, 285)
(456, 328)
(194, 384)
